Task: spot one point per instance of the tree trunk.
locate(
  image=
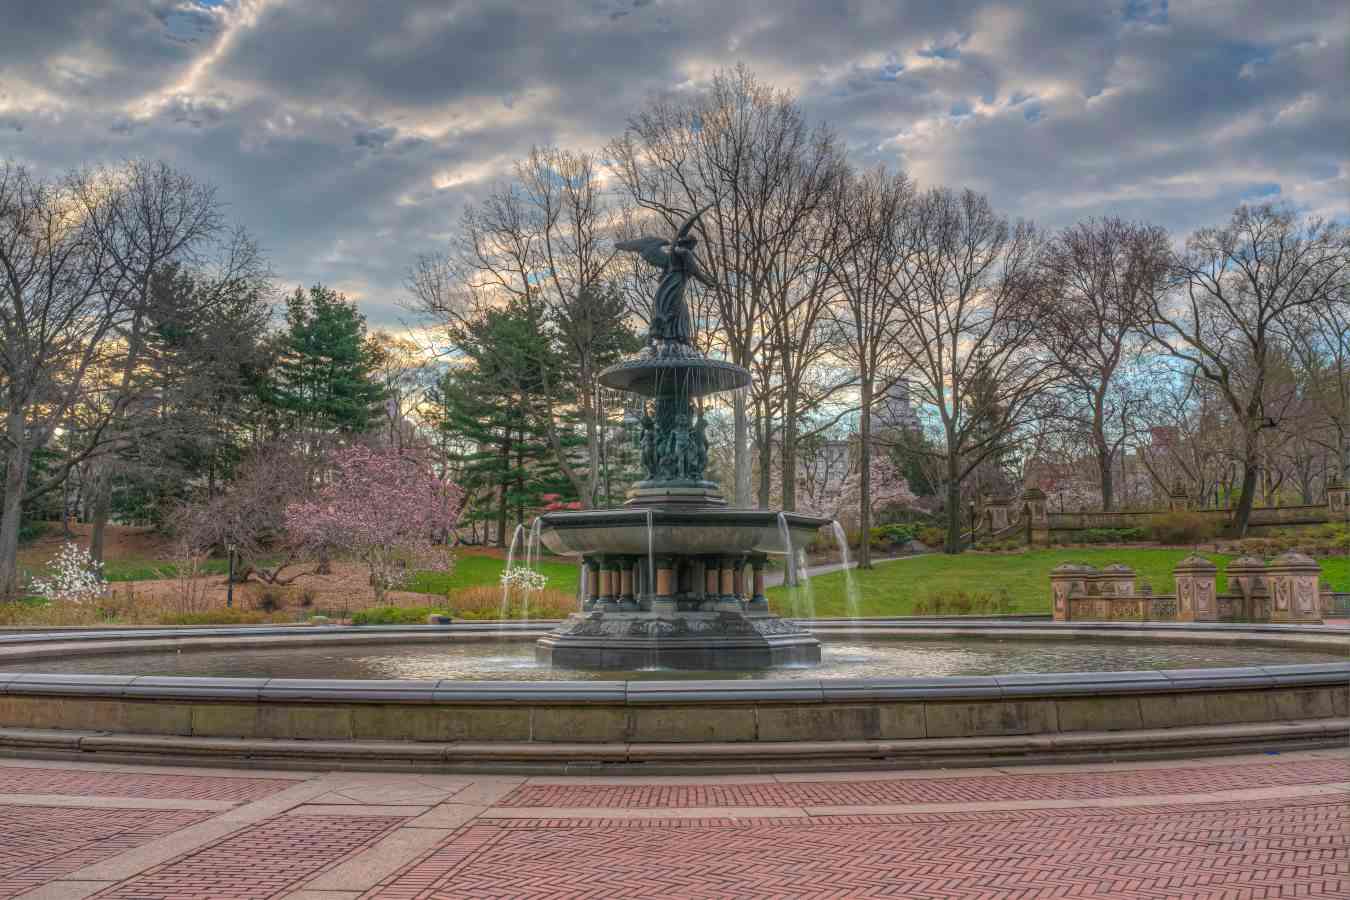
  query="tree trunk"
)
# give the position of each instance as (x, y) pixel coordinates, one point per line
(501, 494)
(865, 477)
(765, 432)
(16, 477)
(1243, 513)
(953, 544)
(789, 464)
(741, 452)
(99, 514)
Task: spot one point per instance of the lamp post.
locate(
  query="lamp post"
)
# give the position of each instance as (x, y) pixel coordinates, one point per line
(229, 578)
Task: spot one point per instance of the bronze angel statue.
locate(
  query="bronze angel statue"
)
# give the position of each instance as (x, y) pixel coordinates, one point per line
(670, 314)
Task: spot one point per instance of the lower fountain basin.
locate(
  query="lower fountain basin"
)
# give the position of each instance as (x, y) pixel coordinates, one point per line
(704, 641)
(694, 532)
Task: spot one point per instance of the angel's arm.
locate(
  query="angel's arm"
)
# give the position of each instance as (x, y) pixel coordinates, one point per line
(697, 271)
(650, 249)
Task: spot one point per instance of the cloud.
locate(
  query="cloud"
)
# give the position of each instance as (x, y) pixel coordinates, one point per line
(348, 136)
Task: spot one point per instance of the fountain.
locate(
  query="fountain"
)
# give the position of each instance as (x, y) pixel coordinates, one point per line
(676, 576)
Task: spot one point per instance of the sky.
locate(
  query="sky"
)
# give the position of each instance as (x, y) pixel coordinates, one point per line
(347, 136)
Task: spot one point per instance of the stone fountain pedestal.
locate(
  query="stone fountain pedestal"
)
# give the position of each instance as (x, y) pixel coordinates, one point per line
(675, 578)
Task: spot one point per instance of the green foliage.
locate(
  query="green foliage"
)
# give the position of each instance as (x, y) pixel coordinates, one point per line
(31, 531)
(232, 616)
(933, 536)
(909, 451)
(1103, 536)
(886, 537)
(495, 413)
(323, 379)
(398, 615)
(1182, 527)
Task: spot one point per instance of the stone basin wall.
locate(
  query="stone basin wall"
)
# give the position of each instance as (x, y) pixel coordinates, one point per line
(659, 727)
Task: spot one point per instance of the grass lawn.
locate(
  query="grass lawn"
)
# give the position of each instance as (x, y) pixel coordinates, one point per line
(148, 570)
(474, 570)
(892, 588)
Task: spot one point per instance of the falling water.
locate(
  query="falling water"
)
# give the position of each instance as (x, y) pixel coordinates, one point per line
(583, 586)
(532, 546)
(504, 612)
(790, 577)
(804, 586)
(795, 579)
(651, 556)
(853, 598)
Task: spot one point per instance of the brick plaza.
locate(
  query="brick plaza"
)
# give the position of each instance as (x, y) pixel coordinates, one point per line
(1251, 826)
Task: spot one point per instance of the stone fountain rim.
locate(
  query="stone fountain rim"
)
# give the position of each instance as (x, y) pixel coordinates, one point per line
(679, 517)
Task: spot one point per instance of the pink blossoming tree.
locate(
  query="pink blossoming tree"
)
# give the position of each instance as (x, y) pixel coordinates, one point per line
(384, 507)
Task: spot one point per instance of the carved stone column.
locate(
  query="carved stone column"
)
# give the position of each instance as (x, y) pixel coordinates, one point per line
(758, 601)
(1197, 593)
(1338, 499)
(626, 584)
(727, 600)
(997, 509)
(1294, 591)
(592, 582)
(1067, 580)
(1247, 580)
(608, 599)
(1037, 516)
(712, 585)
(663, 602)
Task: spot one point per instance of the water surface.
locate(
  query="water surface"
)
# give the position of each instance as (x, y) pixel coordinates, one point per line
(514, 661)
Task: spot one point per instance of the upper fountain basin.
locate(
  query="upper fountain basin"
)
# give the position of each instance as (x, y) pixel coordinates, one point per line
(653, 374)
(712, 531)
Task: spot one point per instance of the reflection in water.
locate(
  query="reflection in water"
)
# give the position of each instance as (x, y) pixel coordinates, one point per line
(514, 661)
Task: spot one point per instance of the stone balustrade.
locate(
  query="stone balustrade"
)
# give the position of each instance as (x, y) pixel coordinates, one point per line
(1288, 589)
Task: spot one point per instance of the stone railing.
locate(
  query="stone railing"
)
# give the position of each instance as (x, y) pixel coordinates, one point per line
(1287, 589)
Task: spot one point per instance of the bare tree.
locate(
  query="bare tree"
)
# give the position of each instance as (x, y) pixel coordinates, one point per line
(1101, 276)
(1319, 338)
(1236, 287)
(873, 264)
(968, 331)
(145, 216)
(746, 150)
(56, 312)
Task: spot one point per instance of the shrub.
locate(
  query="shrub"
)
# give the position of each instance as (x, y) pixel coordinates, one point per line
(397, 615)
(1182, 528)
(219, 617)
(932, 535)
(890, 535)
(72, 577)
(31, 531)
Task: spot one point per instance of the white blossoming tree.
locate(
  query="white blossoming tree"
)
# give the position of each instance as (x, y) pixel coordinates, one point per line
(73, 576)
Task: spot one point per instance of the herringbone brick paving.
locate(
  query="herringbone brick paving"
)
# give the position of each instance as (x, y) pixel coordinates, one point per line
(39, 844)
(85, 783)
(970, 789)
(1268, 849)
(257, 862)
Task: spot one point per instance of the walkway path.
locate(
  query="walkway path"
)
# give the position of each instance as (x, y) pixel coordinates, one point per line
(1253, 826)
(774, 577)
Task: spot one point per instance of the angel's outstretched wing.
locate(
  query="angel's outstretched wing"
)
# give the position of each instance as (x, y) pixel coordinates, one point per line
(652, 249)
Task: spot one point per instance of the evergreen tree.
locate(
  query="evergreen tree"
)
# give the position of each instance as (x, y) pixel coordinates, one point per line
(492, 412)
(323, 378)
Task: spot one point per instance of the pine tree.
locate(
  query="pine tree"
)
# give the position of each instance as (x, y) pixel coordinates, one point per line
(323, 379)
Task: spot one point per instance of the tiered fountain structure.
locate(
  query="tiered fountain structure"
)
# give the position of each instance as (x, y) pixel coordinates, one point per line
(675, 578)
